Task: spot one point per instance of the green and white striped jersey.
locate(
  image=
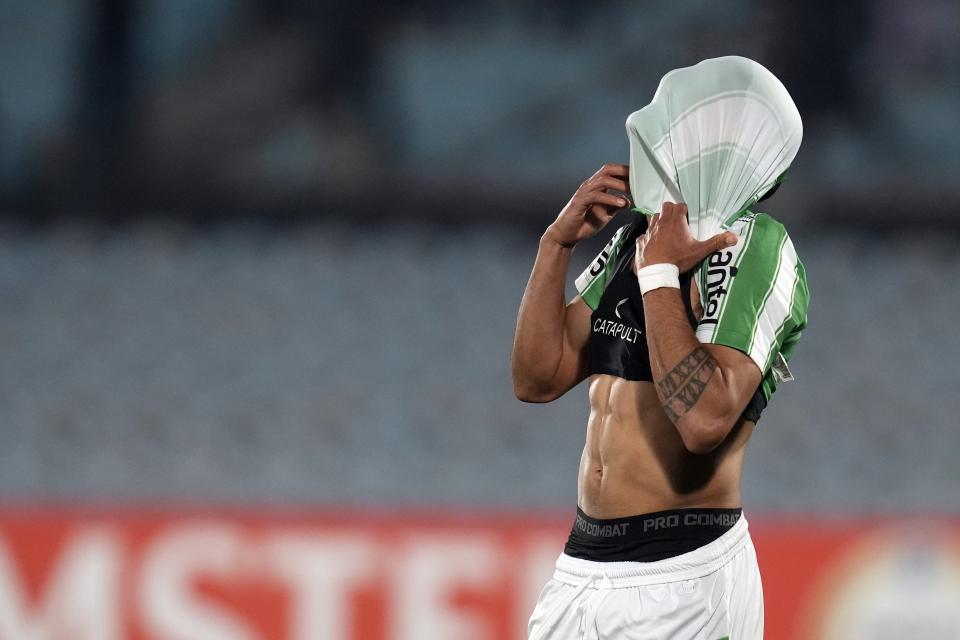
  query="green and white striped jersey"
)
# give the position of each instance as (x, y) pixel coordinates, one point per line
(754, 294)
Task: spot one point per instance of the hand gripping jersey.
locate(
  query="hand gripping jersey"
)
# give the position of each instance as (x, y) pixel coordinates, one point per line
(754, 297)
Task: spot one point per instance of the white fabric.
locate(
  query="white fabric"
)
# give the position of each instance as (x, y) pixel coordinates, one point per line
(710, 593)
(656, 276)
(717, 136)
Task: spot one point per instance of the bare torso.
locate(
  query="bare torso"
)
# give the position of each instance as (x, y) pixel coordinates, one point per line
(635, 462)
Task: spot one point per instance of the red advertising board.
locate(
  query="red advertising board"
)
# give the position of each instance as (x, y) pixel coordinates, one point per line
(211, 574)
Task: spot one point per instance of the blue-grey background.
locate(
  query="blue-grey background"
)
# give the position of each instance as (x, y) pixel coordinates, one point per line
(272, 251)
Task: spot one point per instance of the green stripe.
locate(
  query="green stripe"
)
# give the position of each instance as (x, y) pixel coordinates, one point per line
(591, 295)
(798, 315)
(766, 296)
(723, 305)
(747, 244)
(594, 290)
(778, 335)
(754, 275)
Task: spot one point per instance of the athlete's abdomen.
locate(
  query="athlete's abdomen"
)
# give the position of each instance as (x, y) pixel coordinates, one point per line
(635, 462)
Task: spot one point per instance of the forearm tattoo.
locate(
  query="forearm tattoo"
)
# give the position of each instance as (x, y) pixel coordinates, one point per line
(684, 384)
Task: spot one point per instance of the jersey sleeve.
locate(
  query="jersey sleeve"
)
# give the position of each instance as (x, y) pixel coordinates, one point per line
(593, 280)
(754, 294)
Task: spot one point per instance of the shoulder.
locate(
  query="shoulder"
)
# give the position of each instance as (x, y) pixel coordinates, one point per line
(760, 227)
(759, 275)
(764, 246)
(591, 282)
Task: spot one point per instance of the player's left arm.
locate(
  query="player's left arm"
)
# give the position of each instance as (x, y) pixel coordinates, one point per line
(703, 388)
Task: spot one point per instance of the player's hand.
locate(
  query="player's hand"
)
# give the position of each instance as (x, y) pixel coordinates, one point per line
(591, 207)
(668, 240)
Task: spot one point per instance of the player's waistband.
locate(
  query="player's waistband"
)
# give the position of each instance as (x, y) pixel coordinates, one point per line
(688, 566)
(649, 537)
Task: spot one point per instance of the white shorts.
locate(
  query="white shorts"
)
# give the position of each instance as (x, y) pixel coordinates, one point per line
(710, 593)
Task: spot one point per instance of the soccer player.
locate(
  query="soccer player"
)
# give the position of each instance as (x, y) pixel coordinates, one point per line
(683, 325)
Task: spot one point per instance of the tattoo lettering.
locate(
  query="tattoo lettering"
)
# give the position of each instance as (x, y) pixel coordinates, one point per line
(684, 384)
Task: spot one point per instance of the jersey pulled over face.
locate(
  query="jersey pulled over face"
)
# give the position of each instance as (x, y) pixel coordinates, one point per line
(717, 136)
(754, 297)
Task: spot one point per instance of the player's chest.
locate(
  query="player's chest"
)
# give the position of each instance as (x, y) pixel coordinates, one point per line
(618, 341)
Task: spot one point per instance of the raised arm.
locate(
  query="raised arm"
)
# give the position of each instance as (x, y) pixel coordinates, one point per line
(703, 388)
(549, 347)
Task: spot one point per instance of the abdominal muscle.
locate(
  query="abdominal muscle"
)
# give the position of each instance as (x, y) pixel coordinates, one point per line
(634, 461)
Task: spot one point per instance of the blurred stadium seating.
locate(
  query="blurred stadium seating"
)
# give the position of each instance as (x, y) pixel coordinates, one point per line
(324, 363)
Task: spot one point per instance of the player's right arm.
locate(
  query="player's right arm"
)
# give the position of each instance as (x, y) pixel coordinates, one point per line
(550, 345)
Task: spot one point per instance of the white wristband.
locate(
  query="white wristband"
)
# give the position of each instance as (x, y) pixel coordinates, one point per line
(656, 276)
